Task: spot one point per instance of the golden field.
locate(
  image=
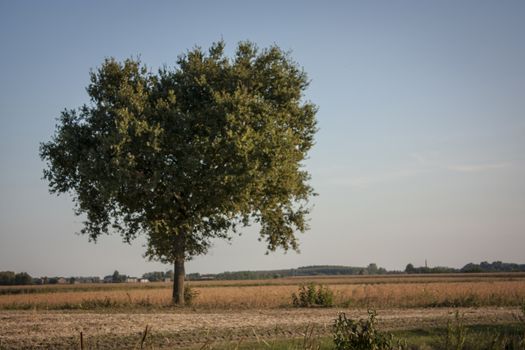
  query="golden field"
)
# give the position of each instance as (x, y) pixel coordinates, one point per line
(392, 291)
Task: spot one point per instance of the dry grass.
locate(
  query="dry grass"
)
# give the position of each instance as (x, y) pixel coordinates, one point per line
(384, 291)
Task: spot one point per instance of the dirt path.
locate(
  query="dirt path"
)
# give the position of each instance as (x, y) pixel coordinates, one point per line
(26, 329)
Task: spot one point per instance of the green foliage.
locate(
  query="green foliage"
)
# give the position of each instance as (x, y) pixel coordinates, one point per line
(456, 335)
(311, 295)
(424, 269)
(372, 269)
(116, 277)
(300, 271)
(11, 278)
(362, 334)
(484, 266)
(7, 277)
(495, 266)
(410, 268)
(158, 276)
(189, 154)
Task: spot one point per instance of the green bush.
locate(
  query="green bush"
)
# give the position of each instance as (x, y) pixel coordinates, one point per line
(362, 335)
(456, 335)
(310, 295)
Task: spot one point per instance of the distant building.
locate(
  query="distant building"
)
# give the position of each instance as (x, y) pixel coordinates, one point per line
(131, 280)
(144, 280)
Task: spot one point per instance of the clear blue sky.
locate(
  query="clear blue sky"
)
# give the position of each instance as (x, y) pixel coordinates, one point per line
(421, 148)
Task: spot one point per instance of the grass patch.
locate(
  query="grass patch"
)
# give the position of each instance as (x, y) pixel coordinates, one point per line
(476, 337)
(479, 337)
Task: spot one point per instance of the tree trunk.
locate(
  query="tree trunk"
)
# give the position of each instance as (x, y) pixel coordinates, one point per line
(178, 281)
(178, 272)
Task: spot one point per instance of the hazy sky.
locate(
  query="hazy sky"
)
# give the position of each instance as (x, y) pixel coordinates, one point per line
(421, 148)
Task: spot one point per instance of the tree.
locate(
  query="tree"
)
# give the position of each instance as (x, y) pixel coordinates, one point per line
(154, 276)
(410, 268)
(7, 277)
(115, 277)
(10, 278)
(189, 154)
(372, 269)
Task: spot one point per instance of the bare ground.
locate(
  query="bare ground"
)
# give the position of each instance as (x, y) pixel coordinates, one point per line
(183, 328)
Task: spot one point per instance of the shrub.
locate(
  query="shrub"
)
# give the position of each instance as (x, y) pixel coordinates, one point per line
(362, 335)
(189, 295)
(310, 295)
(456, 334)
(460, 337)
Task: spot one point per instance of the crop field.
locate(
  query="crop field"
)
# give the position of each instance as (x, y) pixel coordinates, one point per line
(349, 291)
(115, 315)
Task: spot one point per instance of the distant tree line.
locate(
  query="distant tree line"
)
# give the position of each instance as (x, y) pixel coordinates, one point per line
(81, 279)
(371, 269)
(23, 278)
(158, 276)
(425, 269)
(496, 266)
(154, 276)
(116, 277)
(10, 278)
(316, 270)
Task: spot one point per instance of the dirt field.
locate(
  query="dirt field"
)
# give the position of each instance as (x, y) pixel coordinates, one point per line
(61, 330)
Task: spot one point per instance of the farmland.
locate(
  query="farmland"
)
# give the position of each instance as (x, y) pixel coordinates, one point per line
(399, 291)
(110, 314)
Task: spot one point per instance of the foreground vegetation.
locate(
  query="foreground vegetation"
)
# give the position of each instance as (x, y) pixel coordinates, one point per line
(478, 337)
(363, 334)
(349, 292)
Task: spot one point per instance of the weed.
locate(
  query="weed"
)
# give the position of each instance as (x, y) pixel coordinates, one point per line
(310, 340)
(455, 336)
(362, 335)
(190, 294)
(106, 303)
(310, 295)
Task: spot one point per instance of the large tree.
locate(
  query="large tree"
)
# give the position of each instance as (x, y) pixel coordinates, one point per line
(190, 153)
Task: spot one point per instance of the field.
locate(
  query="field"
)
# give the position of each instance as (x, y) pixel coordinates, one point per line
(116, 315)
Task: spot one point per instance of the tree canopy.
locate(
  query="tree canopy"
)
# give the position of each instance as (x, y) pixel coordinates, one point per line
(190, 153)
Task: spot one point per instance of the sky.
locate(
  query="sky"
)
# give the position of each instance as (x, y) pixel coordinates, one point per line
(420, 153)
